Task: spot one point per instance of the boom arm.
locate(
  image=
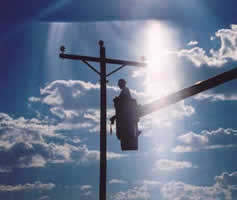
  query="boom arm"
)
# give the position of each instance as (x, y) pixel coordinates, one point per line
(188, 92)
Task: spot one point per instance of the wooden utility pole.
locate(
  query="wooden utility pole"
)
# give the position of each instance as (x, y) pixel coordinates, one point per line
(103, 117)
(103, 104)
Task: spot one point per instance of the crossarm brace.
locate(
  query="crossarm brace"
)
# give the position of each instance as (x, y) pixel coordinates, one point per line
(90, 66)
(116, 70)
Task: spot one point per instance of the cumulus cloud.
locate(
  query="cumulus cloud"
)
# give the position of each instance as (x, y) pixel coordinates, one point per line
(199, 57)
(207, 140)
(182, 191)
(172, 165)
(86, 189)
(33, 143)
(64, 114)
(68, 99)
(35, 161)
(192, 43)
(112, 155)
(38, 142)
(76, 103)
(34, 99)
(215, 58)
(136, 193)
(164, 118)
(67, 93)
(194, 139)
(215, 97)
(139, 192)
(224, 187)
(28, 186)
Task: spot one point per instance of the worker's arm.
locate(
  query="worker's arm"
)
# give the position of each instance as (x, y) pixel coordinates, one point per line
(112, 119)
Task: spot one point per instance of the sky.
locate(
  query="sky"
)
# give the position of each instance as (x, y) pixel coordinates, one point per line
(49, 107)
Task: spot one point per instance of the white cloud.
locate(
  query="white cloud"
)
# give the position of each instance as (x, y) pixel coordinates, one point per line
(85, 187)
(81, 110)
(207, 140)
(28, 186)
(35, 161)
(182, 148)
(215, 97)
(40, 142)
(76, 101)
(35, 143)
(212, 38)
(164, 118)
(136, 193)
(199, 57)
(152, 183)
(67, 98)
(224, 188)
(215, 58)
(172, 165)
(112, 155)
(92, 114)
(34, 99)
(194, 139)
(64, 114)
(182, 191)
(139, 192)
(192, 43)
(117, 181)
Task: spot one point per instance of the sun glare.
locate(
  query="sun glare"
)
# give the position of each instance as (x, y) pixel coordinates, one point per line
(56, 38)
(161, 72)
(161, 79)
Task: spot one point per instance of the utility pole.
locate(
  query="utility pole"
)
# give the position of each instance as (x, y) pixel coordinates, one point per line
(103, 116)
(103, 105)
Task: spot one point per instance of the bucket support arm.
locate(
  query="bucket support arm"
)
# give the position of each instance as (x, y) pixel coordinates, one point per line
(188, 92)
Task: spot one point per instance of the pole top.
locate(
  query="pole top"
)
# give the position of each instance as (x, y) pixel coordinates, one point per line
(62, 49)
(101, 43)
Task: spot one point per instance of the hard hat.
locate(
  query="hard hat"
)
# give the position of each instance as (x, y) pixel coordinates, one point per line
(122, 81)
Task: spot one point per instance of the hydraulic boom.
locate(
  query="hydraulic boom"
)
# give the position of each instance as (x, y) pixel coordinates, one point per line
(188, 92)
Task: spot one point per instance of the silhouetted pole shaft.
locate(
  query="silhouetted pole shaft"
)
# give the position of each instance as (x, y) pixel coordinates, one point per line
(188, 92)
(103, 144)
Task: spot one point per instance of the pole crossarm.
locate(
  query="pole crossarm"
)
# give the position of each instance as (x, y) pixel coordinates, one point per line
(89, 65)
(125, 62)
(79, 57)
(107, 60)
(115, 70)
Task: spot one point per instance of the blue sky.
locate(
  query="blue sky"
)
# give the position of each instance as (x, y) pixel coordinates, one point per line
(49, 108)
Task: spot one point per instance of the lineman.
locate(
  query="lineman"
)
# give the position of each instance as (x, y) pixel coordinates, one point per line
(124, 94)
